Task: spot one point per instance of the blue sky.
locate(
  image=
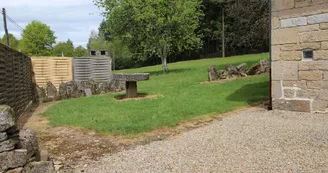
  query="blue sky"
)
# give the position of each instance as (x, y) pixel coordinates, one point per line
(72, 19)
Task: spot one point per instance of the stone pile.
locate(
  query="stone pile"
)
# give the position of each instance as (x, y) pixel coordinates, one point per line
(74, 89)
(239, 71)
(19, 150)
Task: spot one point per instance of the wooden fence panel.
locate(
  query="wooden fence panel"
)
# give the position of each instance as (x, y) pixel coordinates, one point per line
(53, 69)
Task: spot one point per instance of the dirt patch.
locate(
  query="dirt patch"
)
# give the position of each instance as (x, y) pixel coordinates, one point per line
(76, 147)
(139, 97)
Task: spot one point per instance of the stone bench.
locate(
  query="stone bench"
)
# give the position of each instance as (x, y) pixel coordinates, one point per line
(131, 82)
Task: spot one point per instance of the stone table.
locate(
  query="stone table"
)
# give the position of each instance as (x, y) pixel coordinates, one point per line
(131, 82)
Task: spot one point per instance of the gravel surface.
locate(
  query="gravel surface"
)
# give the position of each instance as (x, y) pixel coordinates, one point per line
(250, 141)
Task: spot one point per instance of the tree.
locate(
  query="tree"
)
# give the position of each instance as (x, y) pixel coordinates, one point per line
(157, 28)
(80, 51)
(37, 39)
(64, 48)
(13, 42)
(96, 41)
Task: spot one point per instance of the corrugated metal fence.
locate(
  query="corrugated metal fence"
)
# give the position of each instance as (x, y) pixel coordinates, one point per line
(16, 88)
(96, 68)
(53, 69)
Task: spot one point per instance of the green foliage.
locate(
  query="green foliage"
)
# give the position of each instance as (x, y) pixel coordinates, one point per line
(157, 28)
(13, 42)
(183, 98)
(37, 39)
(65, 48)
(80, 51)
(121, 55)
(96, 42)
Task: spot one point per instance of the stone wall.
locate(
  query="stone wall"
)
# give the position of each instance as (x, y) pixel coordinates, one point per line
(299, 83)
(19, 150)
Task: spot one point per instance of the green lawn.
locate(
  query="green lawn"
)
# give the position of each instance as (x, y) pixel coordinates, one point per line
(184, 98)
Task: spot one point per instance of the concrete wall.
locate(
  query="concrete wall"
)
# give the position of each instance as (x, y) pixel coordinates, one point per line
(300, 84)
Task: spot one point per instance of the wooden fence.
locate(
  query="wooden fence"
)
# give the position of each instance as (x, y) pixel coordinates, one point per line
(53, 69)
(16, 87)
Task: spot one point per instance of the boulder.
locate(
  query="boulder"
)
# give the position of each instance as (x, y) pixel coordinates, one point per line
(242, 69)
(223, 74)
(40, 94)
(28, 140)
(63, 91)
(13, 159)
(265, 66)
(13, 132)
(51, 90)
(212, 73)
(87, 92)
(73, 90)
(232, 70)
(3, 136)
(6, 121)
(40, 167)
(255, 69)
(7, 145)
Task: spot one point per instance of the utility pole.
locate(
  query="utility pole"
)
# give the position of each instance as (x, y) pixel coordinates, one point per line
(223, 39)
(5, 25)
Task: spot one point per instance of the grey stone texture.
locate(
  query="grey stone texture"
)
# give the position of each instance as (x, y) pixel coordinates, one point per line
(292, 22)
(131, 77)
(51, 90)
(300, 84)
(13, 159)
(8, 145)
(28, 140)
(3, 136)
(6, 121)
(40, 167)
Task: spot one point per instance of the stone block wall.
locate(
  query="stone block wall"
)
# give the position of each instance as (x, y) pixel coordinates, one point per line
(299, 84)
(19, 150)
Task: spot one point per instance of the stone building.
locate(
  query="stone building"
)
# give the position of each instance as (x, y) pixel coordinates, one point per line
(299, 55)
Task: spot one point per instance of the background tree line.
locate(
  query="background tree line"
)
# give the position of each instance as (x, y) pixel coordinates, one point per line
(37, 39)
(186, 29)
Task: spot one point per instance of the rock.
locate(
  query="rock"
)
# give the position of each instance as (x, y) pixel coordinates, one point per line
(8, 145)
(3, 137)
(223, 74)
(63, 91)
(73, 90)
(43, 155)
(39, 167)
(232, 70)
(40, 94)
(6, 121)
(28, 140)
(51, 90)
(13, 159)
(265, 66)
(16, 170)
(58, 167)
(242, 69)
(262, 67)
(88, 92)
(212, 73)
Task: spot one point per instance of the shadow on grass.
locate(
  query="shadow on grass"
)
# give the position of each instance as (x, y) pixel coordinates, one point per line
(123, 96)
(161, 72)
(251, 93)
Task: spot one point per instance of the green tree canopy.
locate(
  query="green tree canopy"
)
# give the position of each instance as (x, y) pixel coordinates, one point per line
(154, 28)
(13, 42)
(80, 51)
(96, 41)
(65, 48)
(37, 39)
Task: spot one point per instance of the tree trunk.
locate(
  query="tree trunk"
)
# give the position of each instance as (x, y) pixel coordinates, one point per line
(223, 35)
(164, 65)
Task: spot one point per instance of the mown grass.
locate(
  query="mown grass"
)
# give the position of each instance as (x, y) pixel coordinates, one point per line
(184, 98)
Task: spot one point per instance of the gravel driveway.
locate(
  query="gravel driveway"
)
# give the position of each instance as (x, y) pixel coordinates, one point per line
(250, 141)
